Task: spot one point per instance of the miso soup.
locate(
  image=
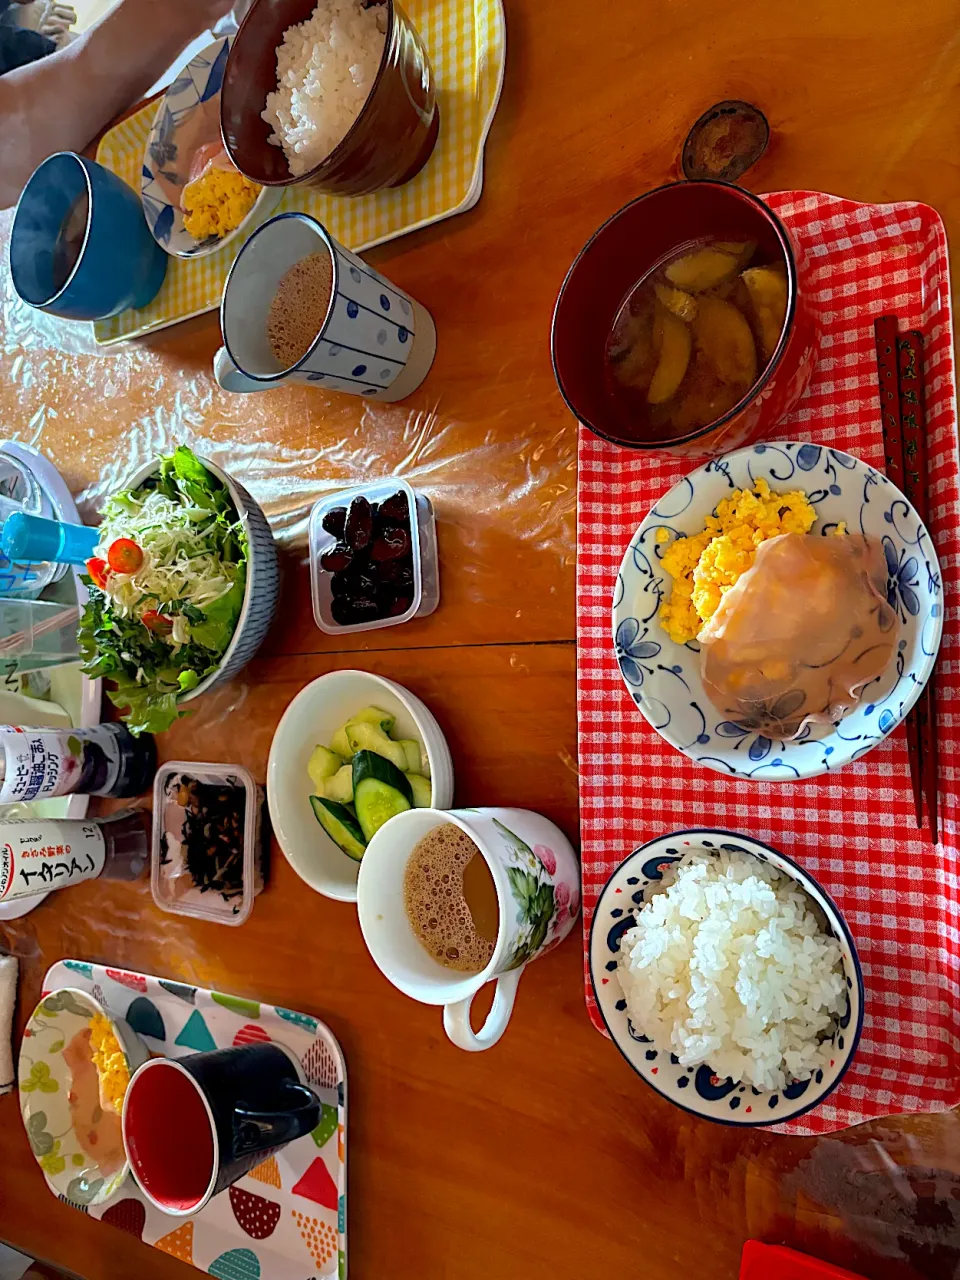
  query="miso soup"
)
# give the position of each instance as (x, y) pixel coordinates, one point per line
(693, 336)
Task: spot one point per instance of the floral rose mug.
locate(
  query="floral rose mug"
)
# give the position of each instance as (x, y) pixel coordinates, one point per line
(537, 878)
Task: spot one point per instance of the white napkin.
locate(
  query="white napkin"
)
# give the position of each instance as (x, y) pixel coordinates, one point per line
(8, 995)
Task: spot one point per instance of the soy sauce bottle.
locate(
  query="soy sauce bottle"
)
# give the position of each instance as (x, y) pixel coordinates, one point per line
(107, 760)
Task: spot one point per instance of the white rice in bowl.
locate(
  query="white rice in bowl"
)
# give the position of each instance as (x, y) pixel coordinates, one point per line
(326, 67)
(728, 966)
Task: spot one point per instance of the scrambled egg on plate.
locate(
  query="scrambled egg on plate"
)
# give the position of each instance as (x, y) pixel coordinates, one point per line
(217, 202)
(705, 565)
(110, 1061)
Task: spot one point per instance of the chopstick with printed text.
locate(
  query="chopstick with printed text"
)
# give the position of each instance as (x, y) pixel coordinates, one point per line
(900, 373)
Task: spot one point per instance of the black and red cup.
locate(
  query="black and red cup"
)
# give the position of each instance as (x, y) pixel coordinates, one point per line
(192, 1126)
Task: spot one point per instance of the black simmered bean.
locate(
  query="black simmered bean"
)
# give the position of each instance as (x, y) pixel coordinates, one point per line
(371, 568)
(334, 521)
(359, 526)
(395, 510)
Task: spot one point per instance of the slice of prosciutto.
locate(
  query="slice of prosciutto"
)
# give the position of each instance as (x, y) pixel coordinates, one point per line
(798, 637)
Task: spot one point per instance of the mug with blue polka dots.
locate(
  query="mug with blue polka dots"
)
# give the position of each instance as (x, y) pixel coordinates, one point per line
(375, 340)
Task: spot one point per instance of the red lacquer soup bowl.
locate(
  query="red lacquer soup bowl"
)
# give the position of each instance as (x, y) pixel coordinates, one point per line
(632, 243)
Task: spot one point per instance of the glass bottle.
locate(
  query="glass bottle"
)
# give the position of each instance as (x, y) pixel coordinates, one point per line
(107, 760)
(39, 855)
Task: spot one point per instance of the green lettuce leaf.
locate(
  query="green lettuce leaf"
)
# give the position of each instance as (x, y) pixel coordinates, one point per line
(201, 486)
(147, 710)
(148, 673)
(220, 619)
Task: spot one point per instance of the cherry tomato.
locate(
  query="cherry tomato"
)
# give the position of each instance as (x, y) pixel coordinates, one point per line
(156, 622)
(97, 570)
(124, 556)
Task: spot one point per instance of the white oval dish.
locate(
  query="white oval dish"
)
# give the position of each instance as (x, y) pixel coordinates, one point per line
(314, 715)
(196, 84)
(75, 692)
(45, 1083)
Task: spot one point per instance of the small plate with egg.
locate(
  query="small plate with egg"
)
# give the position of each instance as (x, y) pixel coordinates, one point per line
(778, 612)
(76, 1061)
(195, 200)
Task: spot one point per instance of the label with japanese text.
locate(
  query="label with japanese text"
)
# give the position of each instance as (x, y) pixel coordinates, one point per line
(36, 857)
(41, 763)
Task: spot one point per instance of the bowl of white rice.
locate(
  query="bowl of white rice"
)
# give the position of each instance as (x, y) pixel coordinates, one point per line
(335, 94)
(726, 977)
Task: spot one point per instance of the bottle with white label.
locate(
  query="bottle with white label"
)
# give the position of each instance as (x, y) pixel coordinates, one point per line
(43, 854)
(107, 760)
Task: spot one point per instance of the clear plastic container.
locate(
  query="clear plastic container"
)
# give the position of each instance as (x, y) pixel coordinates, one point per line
(423, 539)
(36, 633)
(174, 888)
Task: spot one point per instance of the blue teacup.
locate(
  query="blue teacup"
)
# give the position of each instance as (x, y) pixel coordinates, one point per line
(80, 246)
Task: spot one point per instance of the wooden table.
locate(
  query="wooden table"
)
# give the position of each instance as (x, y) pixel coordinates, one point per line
(544, 1158)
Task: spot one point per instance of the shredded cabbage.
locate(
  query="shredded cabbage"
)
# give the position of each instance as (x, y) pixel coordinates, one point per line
(193, 578)
(181, 561)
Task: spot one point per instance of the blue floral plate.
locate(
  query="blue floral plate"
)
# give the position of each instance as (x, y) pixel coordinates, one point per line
(166, 160)
(663, 678)
(697, 1089)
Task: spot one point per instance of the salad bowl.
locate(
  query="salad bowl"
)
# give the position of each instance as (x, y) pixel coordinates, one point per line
(203, 541)
(263, 580)
(663, 677)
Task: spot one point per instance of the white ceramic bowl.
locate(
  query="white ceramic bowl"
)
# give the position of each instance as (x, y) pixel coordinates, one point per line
(45, 1080)
(663, 678)
(196, 88)
(313, 717)
(697, 1089)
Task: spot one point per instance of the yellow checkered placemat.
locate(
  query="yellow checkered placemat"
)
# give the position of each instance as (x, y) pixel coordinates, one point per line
(466, 40)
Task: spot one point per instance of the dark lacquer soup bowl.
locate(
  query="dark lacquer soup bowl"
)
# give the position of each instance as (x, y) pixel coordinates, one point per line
(638, 239)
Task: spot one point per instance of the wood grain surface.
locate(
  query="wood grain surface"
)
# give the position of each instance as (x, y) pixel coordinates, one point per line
(544, 1158)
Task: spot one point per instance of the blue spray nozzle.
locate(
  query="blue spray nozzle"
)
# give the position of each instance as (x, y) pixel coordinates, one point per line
(26, 538)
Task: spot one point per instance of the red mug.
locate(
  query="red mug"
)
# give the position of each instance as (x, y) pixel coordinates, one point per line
(626, 248)
(192, 1126)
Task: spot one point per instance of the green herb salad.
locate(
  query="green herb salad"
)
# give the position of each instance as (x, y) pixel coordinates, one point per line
(166, 589)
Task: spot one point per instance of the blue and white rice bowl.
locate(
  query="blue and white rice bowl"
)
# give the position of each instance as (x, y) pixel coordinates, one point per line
(263, 580)
(199, 82)
(663, 678)
(697, 1089)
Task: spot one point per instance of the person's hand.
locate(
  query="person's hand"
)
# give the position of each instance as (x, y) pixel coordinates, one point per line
(49, 17)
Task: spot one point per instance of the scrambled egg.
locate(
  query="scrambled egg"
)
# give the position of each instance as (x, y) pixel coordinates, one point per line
(217, 202)
(705, 565)
(110, 1062)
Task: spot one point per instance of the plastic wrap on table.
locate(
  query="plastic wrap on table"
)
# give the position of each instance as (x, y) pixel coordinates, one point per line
(100, 413)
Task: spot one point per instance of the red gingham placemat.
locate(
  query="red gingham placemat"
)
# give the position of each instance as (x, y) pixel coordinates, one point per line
(854, 830)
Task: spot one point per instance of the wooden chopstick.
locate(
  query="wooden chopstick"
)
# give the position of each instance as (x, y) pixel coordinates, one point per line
(917, 489)
(885, 330)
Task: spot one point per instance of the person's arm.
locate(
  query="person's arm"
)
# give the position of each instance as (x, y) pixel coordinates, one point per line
(61, 102)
